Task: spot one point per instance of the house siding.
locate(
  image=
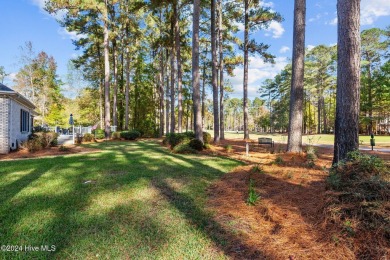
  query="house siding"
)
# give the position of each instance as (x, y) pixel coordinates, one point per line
(16, 136)
(4, 120)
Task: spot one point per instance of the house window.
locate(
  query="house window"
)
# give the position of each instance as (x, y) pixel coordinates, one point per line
(24, 121)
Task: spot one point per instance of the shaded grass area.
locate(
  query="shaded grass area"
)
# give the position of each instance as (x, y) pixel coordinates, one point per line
(133, 200)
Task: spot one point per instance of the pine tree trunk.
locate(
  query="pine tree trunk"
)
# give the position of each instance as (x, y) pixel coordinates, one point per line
(204, 92)
(319, 107)
(115, 96)
(172, 91)
(162, 77)
(107, 119)
(195, 72)
(348, 79)
(179, 70)
(167, 99)
(127, 90)
(214, 73)
(296, 97)
(221, 68)
(246, 65)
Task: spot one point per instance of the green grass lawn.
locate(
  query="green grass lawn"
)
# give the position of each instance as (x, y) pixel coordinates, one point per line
(381, 141)
(134, 200)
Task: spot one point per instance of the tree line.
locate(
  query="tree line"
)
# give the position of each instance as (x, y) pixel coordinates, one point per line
(148, 69)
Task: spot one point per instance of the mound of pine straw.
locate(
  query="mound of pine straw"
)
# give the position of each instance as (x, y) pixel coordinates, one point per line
(358, 205)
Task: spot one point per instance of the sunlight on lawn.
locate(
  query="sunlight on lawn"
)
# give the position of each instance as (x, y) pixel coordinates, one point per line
(134, 200)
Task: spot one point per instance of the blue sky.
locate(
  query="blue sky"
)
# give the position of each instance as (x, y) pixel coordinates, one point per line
(25, 20)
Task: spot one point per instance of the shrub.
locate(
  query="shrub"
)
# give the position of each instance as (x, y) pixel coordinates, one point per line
(189, 134)
(116, 136)
(361, 195)
(88, 138)
(196, 144)
(99, 134)
(279, 161)
(32, 145)
(184, 148)
(130, 135)
(229, 148)
(47, 139)
(63, 148)
(174, 139)
(206, 137)
(78, 139)
(257, 169)
(253, 197)
(206, 146)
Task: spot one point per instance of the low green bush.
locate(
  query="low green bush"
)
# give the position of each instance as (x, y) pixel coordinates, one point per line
(47, 139)
(88, 138)
(116, 136)
(253, 197)
(206, 137)
(174, 139)
(184, 148)
(359, 193)
(99, 134)
(196, 144)
(32, 145)
(130, 135)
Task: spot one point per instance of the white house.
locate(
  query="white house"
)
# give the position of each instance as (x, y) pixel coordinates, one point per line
(16, 119)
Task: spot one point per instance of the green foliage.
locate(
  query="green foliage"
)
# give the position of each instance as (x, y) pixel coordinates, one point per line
(88, 138)
(47, 139)
(279, 161)
(196, 144)
(206, 146)
(257, 169)
(174, 139)
(228, 148)
(206, 137)
(361, 198)
(99, 134)
(39, 141)
(130, 135)
(253, 197)
(184, 148)
(63, 148)
(116, 136)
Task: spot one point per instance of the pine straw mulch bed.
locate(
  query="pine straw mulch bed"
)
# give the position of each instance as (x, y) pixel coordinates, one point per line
(290, 220)
(51, 151)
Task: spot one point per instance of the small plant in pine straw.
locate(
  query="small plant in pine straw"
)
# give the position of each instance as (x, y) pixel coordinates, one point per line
(253, 197)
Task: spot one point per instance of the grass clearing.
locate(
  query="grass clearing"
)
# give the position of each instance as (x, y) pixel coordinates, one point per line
(133, 200)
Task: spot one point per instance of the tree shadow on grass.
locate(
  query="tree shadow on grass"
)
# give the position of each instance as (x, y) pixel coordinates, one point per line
(64, 218)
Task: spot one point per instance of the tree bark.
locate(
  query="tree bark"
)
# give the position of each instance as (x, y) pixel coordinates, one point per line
(167, 99)
(107, 119)
(127, 90)
(161, 110)
(221, 68)
(246, 65)
(195, 72)
(179, 70)
(296, 97)
(348, 79)
(172, 54)
(115, 96)
(214, 73)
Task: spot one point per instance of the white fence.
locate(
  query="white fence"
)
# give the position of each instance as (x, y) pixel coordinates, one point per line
(81, 130)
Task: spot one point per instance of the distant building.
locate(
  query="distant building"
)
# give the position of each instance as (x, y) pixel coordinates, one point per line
(16, 119)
